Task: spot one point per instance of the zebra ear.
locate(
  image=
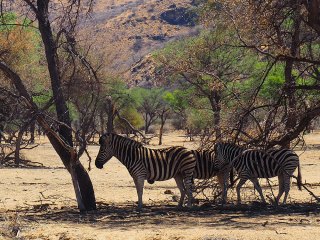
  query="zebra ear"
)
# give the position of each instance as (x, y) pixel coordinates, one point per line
(217, 146)
(101, 139)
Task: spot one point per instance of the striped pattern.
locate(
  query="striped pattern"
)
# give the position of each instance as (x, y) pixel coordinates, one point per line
(208, 167)
(253, 164)
(205, 167)
(149, 164)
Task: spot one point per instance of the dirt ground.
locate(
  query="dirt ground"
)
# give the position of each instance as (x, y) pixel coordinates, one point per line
(39, 203)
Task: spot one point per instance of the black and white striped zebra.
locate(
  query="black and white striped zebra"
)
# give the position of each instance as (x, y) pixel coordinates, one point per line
(253, 164)
(208, 167)
(149, 164)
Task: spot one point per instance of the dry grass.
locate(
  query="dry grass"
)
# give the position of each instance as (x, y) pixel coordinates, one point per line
(40, 203)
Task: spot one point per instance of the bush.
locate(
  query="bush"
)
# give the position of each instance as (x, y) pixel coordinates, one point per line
(198, 120)
(134, 118)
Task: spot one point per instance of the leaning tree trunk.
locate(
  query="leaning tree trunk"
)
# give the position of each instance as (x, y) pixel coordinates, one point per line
(80, 178)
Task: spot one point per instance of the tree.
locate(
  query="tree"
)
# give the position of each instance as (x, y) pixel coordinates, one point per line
(149, 102)
(62, 142)
(209, 65)
(281, 33)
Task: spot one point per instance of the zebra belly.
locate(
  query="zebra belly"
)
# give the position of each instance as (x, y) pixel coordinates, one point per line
(163, 175)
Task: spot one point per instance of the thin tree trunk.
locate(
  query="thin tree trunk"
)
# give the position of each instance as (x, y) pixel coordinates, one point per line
(146, 126)
(18, 144)
(163, 119)
(110, 109)
(32, 130)
(102, 122)
(1, 131)
(290, 80)
(215, 99)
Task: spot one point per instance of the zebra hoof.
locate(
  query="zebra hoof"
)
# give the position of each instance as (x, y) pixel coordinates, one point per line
(179, 208)
(150, 181)
(139, 209)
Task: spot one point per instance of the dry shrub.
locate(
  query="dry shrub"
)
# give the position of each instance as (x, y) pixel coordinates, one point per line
(11, 227)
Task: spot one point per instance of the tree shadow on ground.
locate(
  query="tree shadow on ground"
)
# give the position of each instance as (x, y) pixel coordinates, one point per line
(122, 216)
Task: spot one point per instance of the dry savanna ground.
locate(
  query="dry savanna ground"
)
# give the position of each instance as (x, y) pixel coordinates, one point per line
(39, 203)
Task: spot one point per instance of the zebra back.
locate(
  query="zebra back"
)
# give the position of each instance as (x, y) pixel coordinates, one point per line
(154, 164)
(264, 164)
(205, 164)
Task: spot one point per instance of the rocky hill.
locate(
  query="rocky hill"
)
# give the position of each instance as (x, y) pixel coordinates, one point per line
(123, 32)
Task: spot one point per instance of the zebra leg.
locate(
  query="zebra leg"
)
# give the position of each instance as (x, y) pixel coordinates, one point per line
(286, 186)
(180, 185)
(188, 185)
(223, 182)
(139, 182)
(257, 186)
(241, 182)
(281, 188)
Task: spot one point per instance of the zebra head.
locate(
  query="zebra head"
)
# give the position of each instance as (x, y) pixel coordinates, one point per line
(220, 158)
(105, 151)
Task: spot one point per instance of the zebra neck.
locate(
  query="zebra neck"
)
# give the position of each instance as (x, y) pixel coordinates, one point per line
(127, 154)
(234, 157)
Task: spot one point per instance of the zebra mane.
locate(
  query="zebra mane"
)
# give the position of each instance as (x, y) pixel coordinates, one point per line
(231, 144)
(125, 140)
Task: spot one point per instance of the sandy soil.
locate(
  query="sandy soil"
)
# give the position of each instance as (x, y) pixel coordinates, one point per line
(39, 203)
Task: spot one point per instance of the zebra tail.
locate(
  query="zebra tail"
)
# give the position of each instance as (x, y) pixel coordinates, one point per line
(299, 178)
(231, 176)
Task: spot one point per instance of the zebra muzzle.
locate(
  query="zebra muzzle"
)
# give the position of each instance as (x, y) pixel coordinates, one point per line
(100, 166)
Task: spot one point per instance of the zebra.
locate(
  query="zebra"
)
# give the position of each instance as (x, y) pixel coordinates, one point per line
(253, 164)
(149, 164)
(207, 168)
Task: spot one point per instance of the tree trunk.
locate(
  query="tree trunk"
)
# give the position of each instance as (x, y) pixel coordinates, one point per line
(80, 178)
(146, 125)
(50, 52)
(290, 80)
(163, 119)
(32, 130)
(215, 99)
(1, 131)
(18, 145)
(162, 122)
(102, 122)
(216, 123)
(110, 109)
